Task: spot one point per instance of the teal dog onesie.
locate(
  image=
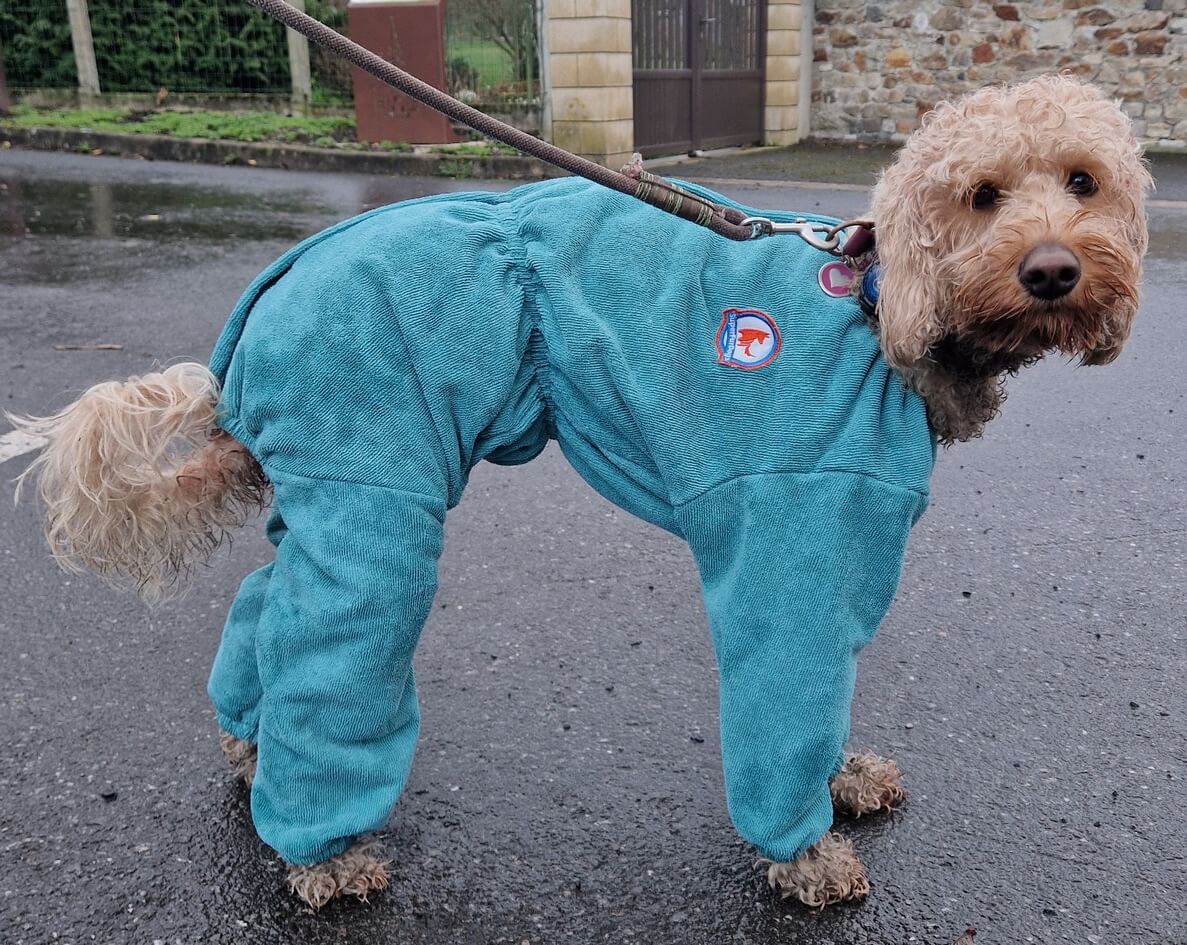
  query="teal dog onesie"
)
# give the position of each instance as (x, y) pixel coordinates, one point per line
(726, 392)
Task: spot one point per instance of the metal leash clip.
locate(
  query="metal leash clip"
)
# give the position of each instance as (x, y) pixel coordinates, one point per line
(807, 230)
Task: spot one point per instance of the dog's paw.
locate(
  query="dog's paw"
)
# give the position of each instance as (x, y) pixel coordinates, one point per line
(827, 872)
(866, 784)
(240, 755)
(358, 871)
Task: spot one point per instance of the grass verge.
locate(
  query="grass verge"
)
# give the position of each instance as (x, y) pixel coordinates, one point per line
(324, 131)
(226, 126)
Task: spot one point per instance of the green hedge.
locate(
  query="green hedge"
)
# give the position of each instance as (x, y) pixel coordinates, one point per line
(35, 35)
(144, 45)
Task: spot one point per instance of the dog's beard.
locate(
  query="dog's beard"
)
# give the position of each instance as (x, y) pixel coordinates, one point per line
(995, 321)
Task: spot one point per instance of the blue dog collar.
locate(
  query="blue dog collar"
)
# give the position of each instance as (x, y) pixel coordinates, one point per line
(871, 283)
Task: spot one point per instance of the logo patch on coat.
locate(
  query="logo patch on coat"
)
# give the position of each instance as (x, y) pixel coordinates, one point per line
(747, 339)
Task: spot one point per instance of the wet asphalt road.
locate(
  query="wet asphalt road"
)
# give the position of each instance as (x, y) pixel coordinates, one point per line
(1029, 678)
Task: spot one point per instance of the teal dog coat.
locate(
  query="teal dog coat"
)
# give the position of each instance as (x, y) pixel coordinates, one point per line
(731, 393)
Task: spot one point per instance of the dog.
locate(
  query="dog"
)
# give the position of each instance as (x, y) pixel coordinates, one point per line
(737, 394)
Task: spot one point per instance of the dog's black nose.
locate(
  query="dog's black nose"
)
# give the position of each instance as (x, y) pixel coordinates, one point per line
(1049, 271)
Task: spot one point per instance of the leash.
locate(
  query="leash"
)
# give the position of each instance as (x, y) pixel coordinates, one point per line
(650, 188)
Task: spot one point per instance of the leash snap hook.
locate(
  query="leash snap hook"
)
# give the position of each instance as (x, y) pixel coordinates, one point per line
(817, 235)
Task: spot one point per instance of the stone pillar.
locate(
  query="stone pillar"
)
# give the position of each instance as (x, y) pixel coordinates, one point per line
(590, 78)
(784, 121)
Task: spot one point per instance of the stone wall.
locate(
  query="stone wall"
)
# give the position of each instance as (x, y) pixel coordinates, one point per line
(879, 65)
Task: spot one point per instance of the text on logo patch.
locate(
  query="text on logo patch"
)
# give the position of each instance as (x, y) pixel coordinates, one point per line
(747, 339)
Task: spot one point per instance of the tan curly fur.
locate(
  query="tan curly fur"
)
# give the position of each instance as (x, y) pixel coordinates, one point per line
(138, 483)
(827, 872)
(866, 784)
(241, 756)
(358, 872)
(952, 315)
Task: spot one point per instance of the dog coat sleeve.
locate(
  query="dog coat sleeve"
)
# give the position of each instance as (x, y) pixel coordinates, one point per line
(352, 584)
(797, 571)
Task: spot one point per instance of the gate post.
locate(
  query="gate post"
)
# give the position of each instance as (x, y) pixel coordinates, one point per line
(785, 25)
(590, 78)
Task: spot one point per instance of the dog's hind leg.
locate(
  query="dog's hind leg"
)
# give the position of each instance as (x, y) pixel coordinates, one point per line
(351, 586)
(240, 755)
(234, 687)
(866, 784)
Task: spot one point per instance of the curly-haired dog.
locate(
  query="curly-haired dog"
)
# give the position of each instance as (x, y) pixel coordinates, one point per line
(733, 393)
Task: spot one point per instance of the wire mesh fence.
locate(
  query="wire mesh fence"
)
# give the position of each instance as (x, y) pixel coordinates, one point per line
(226, 54)
(491, 51)
(35, 37)
(225, 47)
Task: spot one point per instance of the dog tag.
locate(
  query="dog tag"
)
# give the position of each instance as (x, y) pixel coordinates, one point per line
(836, 279)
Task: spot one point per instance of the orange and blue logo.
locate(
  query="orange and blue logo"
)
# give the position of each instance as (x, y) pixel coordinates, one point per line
(747, 339)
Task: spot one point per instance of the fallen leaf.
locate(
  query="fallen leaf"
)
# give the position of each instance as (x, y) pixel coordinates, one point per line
(967, 938)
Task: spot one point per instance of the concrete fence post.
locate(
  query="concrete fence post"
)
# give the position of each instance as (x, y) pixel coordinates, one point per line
(299, 67)
(84, 51)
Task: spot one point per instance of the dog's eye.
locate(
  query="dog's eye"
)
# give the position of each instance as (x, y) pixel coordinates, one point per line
(985, 197)
(1081, 183)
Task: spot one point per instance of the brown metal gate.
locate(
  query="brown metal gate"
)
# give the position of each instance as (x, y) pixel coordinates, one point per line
(698, 73)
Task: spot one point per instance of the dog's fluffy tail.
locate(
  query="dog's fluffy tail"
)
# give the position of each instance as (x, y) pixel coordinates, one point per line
(137, 481)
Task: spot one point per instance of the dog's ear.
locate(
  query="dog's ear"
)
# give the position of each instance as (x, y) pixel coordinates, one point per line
(909, 294)
(1116, 333)
(1102, 355)
(1131, 180)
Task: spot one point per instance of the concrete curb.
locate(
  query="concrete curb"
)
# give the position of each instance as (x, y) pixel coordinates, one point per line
(289, 156)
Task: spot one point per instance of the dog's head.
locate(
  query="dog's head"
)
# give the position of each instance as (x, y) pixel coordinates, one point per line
(1013, 221)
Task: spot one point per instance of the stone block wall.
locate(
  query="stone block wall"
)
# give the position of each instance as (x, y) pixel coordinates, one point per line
(879, 65)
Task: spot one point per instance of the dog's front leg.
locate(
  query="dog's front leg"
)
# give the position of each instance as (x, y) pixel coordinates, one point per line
(798, 570)
(827, 872)
(357, 871)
